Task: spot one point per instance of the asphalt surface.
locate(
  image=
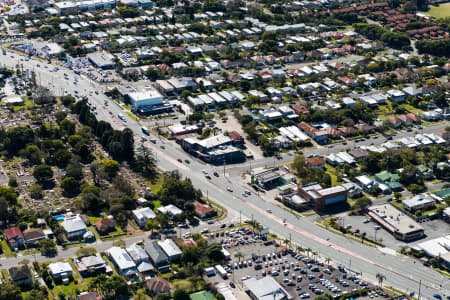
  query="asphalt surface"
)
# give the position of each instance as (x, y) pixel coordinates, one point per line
(401, 272)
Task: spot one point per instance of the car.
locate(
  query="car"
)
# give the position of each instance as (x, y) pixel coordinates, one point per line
(179, 160)
(269, 210)
(305, 295)
(210, 222)
(232, 284)
(216, 174)
(204, 230)
(223, 226)
(207, 177)
(162, 147)
(205, 172)
(365, 221)
(229, 189)
(231, 225)
(187, 161)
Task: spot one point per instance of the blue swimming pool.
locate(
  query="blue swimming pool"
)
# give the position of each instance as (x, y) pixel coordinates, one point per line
(59, 217)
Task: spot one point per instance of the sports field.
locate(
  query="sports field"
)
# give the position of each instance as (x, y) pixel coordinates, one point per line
(441, 11)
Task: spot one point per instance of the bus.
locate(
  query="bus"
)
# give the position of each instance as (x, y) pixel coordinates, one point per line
(221, 271)
(145, 130)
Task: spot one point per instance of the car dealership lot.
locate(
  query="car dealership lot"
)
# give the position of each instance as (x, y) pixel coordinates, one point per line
(302, 274)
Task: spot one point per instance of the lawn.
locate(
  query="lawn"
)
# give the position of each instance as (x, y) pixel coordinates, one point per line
(441, 11)
(6, 251)
(333, 174)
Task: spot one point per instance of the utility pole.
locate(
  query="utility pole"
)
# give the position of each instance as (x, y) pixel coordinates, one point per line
(420, 290)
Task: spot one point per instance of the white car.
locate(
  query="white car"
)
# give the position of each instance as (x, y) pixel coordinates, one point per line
(269, 210)
(229, 189)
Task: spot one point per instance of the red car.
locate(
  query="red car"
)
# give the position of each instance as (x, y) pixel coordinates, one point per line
(180, 161)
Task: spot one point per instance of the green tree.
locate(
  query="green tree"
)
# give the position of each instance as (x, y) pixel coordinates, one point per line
(110, 168)
(10, 292)
(43, 173)
(380, 277)
(71, 186)
(48, 247)
(181, 294)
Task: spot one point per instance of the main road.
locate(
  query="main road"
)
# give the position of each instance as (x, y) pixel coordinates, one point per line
(400, 271)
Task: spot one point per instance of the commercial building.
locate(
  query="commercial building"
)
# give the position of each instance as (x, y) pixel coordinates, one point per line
(419, 202)
(65, 7)
(401, 226)
(170, 249)
(320, 198)
(268, 179)
(217, 149)
(145, 98)
(102, 60)
(123, 262)
(439, 247)
(265, 288)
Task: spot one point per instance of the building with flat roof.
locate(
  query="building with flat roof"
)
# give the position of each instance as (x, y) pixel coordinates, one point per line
(401, 226)
(320, 198)
(419, 202)
(60, 271)
(170, 249)
(217, 149)
(148, 97)
(102, 60)
(265, 288)
(64, 7)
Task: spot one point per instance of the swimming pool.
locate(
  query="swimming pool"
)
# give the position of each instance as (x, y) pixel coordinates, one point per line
(59, 217)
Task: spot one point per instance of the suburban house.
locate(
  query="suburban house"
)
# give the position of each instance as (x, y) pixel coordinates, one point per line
(203, 211)
(32, 237)
(60, 271)
(89, 296)
(75, 227)
(14, 237)
(419, 202)
(123, 262)
(315, 162)
(105, 226)
(142, 215)
(157, 286)
(158, 257)
(21, 276)
(141, 258)
(91, 265)
(170, 249)
(390, 179)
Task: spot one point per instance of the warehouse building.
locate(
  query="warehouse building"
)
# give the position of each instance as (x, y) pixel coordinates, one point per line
(102, 60)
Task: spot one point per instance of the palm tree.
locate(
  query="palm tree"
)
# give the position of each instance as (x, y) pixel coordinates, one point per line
(239, 255)
(151, 225)
(381, 278)
(327, 260)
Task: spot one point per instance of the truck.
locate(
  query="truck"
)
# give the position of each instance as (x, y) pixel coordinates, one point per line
(144, 130)
(221, 271)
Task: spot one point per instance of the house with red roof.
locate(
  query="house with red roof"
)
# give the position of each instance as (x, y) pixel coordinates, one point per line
(14, 237)
(203, 211)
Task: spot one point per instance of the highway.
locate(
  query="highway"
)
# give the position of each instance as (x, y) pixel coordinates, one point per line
(401, 272)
